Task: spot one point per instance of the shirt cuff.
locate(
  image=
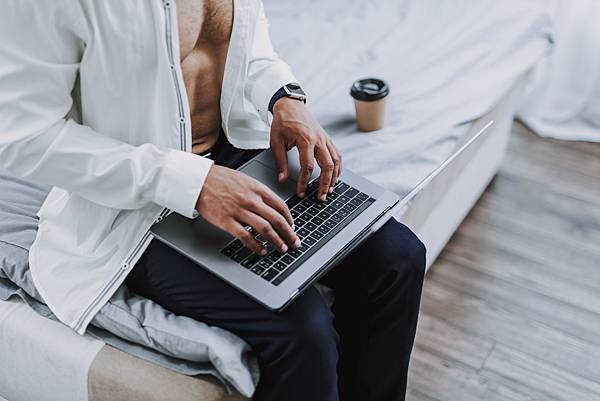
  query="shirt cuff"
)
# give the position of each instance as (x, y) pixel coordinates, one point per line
(270, 81)
(181, 180)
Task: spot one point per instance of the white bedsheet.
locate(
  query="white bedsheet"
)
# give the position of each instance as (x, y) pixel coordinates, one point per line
(448, 63)
(564, 98)
(20, 378)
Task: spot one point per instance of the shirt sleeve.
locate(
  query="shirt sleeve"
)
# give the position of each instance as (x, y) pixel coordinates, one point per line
(39, 66)
(267, 73)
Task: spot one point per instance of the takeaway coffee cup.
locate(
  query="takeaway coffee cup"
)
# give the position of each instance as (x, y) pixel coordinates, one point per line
(369, 99)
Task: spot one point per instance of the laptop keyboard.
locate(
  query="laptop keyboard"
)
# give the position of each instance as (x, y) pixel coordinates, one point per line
(316, 222)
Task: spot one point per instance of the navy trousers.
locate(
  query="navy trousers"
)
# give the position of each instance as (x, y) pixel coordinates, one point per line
(357, 350)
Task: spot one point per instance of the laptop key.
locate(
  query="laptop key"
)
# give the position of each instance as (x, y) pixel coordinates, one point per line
(313, 211)
(351, 193)
(229, 251)
(356, 202)
(330, 223)
(270, 274)
(302, 232)
(323, 229)
(317, 220)
(241, 254)
(306, 216)
(343, 199)
(300, 208)
(295, 253)
(336, 204)
(273, 257)
(317, 235)
(257, 270)
(265, 263)
(349, 207)
(280, 266)
(324, 215)
(250, 261)
(341, 187)
(236, 245)
(287, 259)
(299, 222)
(330, 210)
(337, 218)
(363, 197)
(343, 212)
(309, 241)
(310, 226)
(320, 205)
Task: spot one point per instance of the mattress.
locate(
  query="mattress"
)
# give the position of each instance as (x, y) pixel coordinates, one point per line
(447, 63)
(75, 368)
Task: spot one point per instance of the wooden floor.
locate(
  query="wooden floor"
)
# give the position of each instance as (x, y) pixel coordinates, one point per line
(511, 310)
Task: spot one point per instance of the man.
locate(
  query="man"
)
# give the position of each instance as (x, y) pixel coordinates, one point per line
(130, 109)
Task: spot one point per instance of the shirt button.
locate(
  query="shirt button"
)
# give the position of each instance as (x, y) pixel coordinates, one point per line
(167, 3)
(182, 120)
(125, 266)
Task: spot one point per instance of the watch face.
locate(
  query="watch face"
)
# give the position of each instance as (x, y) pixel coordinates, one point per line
(295, 91)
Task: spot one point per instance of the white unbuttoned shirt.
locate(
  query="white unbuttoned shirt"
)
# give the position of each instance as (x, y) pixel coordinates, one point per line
(92, 102)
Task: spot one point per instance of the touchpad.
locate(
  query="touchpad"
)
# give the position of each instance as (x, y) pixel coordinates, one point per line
(268, 176)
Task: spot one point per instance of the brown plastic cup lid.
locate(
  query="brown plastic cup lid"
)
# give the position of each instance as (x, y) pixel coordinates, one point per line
(369, 89)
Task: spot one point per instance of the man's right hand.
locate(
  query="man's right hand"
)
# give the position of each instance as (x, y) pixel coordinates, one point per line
(231, 201)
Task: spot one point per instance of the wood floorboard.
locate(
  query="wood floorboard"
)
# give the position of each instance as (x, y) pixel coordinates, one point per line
(511, 310)
(478, 318)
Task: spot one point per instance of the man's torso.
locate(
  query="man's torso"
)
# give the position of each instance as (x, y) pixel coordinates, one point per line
(204, 34)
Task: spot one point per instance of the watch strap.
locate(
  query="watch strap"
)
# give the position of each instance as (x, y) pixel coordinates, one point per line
(285, 92)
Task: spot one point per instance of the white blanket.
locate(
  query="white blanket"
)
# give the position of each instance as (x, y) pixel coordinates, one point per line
(20, 379)
(447, 62)
(564, 98)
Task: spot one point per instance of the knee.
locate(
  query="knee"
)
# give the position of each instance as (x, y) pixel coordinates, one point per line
(400, 251)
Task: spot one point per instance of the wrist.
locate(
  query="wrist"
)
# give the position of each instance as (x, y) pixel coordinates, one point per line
(286, 103)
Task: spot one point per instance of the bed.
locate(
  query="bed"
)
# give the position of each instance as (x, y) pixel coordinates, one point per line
(431, 112)
(83, 368)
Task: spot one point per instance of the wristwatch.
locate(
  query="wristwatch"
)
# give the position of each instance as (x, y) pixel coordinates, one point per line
(293, 91)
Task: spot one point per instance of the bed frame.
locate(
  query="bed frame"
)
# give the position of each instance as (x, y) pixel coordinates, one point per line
(437, 211)
(434, 215)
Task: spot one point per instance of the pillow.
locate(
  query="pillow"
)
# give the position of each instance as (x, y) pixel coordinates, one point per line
(19, 204)
(128, 322)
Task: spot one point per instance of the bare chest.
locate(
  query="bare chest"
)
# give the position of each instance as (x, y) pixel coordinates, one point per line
(203, 24)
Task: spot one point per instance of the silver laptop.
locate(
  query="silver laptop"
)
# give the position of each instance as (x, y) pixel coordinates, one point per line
(328, 231)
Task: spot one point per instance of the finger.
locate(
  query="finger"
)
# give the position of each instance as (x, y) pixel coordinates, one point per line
(279, 149)
(265, 228)
(238, 230)
(307, 163)
(280, 224)
(326, 163)
(278, 204)
(337, 161)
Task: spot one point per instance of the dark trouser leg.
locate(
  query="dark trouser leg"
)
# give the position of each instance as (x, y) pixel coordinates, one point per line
(377, 297)
(296, 349)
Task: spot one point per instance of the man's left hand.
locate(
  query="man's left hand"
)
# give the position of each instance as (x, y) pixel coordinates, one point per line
(293, 125)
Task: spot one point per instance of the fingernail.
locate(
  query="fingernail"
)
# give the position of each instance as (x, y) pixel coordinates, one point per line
(280, 176)
(263, 252)
(301, 194)
(330, 189)
(284, 248)
(293, 226)
(323, 198)
(297, 244)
